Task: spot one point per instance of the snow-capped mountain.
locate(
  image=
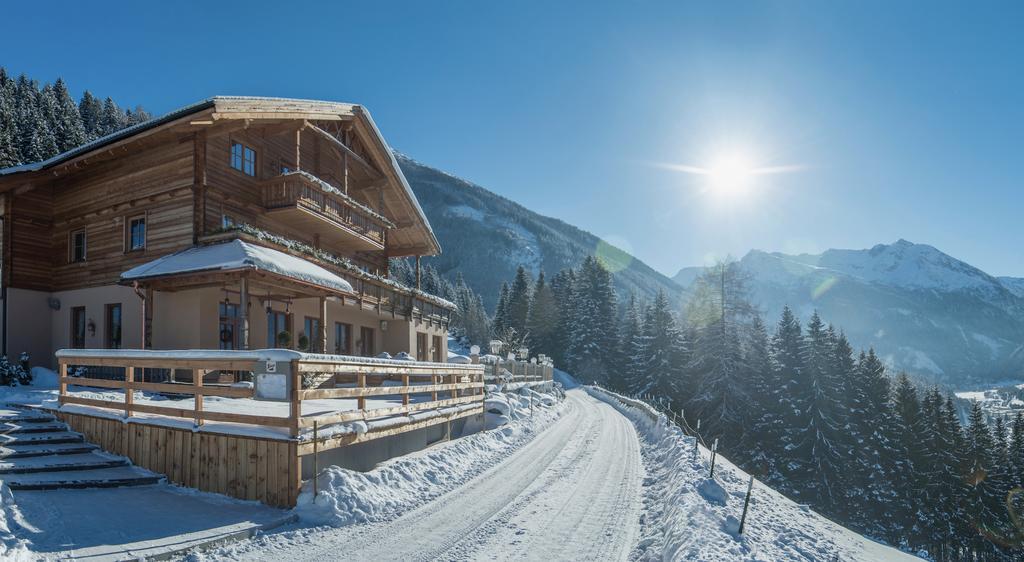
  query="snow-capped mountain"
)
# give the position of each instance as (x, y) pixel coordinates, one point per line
(486, 237)
(921, 309)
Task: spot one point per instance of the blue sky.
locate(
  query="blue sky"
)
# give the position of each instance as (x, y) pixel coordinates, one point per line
(904, 119)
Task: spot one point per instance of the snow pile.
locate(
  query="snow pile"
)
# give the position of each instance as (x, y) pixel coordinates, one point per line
(44, 378)
(347, 497)
(689, 516)
(11, 547)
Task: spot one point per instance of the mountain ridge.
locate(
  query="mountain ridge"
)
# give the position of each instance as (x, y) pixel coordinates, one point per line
(923, 311)
(486, 236)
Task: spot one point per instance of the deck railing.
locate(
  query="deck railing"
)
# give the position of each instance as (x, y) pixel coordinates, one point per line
(299, 190)
(518, 371)
(420, 386)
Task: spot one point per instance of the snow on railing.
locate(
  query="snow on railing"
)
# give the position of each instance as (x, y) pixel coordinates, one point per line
(408, 388)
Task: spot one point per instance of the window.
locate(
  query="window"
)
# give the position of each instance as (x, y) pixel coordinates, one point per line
(366, 341)
(228, 325)
(342, 339)
(312, 329)
(112, 323)
(135, 236)
(285, 169)
(78, 327)
(277, 330)
(76, 246)
(243, 159)
(421, 346)
(226, 221)
(435, 350)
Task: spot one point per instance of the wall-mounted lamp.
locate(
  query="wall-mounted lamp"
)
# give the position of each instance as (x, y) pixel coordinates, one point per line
(383, 325)
(91, 326)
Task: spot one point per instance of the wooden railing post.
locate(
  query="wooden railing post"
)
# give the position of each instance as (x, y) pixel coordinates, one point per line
(361, 383)
(405, 392)
(197, 382)
(63, 382)
(129, 394)
(295, 405)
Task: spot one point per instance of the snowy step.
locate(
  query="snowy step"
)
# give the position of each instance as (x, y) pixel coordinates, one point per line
(58, 463)
(32, 426)
(48, 437)
(99, 478)
(8, 414)
(22, 450)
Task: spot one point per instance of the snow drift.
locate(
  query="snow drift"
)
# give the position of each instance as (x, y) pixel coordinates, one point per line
(404, 483)
(691, 517)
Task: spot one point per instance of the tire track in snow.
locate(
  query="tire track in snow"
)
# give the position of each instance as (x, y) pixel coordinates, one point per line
(571, 493)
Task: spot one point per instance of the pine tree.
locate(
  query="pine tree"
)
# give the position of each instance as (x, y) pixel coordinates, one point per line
(111, 118)
(722, 311)
(1016, 452)
(542, 321)
(501, 321)
(67, 124)
(563, 288)
(818, 444)
(90, 109)
(659, 354)
(593, 340)
(9, 155)
(629, 369)
(979, 460)
(519, 302)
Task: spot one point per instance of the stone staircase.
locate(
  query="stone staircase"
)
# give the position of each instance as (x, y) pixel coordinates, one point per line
(37, 452)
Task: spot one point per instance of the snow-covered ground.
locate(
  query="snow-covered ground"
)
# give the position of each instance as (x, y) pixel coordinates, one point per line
(688, 516)
(569, 492)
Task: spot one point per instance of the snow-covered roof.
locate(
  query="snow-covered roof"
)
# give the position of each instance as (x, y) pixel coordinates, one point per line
(235, 255)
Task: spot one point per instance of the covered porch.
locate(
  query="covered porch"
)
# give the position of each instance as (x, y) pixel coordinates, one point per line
(237, 295)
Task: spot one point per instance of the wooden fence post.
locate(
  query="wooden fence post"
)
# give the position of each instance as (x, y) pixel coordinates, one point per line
(746, 504)
(714, 453)
(316, 460)
(129, 394)
(197, 398)
(63, 382)
(295, 405)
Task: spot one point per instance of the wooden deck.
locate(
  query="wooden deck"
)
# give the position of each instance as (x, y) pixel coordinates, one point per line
(221, 438)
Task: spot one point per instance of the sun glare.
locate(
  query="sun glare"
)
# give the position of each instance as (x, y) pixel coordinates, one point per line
(730, 175)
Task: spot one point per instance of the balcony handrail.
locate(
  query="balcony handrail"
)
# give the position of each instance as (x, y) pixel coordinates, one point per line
(300, 187)
(447, 384)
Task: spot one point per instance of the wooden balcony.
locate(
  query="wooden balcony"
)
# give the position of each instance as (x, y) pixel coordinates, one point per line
(312, 205)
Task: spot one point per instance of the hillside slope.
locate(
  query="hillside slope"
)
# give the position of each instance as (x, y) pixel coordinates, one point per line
(921, 309)
(485, 237)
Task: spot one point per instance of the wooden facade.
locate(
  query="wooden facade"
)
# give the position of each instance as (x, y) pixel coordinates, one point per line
(320, 175)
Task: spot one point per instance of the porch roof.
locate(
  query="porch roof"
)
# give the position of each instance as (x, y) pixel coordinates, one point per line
(237, 255)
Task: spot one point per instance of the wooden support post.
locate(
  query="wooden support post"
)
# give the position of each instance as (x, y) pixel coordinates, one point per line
(322, 336)
(344, 164)
(129, 394)
(454, 379)
(243, 311)
(316, 459)
(405, 395)
(417, 273)
(746, 504)
(197, 382)
(435, 380)
(295, 404)
(63, 385)
(361, 383)
(298, 149)
(147, 319)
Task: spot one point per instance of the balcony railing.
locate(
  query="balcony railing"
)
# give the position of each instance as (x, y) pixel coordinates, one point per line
(303, 190)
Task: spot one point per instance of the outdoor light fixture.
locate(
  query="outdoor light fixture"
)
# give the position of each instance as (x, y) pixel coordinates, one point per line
(383, 325)
(496, 346)
(474, 350)
(524, 352)
(91, 326)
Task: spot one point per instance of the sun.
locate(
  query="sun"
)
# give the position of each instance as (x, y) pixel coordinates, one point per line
(730, 174)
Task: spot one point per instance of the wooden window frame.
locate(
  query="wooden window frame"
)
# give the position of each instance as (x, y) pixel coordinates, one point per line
(422, 346)
(242, 160)
(71, 245)
(85, 323)
(107, 325)
(348, 347)
(144, 217)
(314, 339)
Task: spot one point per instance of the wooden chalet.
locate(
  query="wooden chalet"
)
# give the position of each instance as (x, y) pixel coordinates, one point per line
(87, 236)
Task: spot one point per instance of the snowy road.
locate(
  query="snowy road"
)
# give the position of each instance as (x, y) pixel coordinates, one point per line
(572, 493)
